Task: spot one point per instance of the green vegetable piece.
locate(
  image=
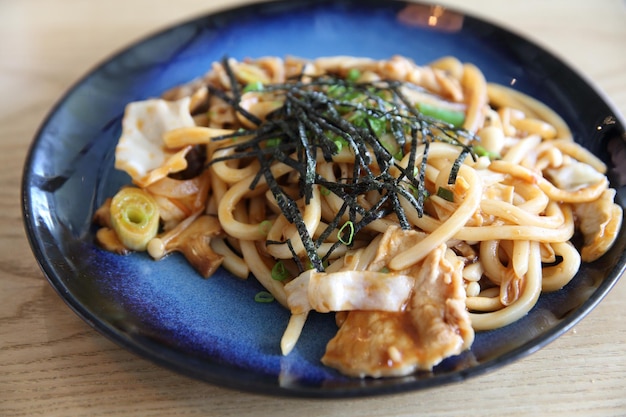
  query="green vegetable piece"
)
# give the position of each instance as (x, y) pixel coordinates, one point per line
(378, 125)
(134, 217)
(336, 91)
(340, 234)
(362, 119)
(416, 192)
(265, 226)
(446, 194)
(340, 143)
(279, 272)
(480, 151)
(453, 117)
(353, 75)
(253, 86)
(272, 143)
(263, 297)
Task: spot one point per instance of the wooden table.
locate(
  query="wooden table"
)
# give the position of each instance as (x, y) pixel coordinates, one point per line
(54, 364)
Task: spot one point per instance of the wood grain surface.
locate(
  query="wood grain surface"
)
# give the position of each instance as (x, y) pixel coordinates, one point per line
(54, 364)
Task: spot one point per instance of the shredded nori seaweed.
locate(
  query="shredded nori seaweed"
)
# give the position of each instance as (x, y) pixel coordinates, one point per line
(316, 116)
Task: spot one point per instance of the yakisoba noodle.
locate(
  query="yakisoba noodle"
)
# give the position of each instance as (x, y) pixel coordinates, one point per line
(421, 203)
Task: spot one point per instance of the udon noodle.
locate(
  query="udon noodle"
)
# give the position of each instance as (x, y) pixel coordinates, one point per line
(418, 203)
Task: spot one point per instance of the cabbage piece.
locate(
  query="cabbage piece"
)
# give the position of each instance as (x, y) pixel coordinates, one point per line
(600, 222)
(574, 176)
(348, 290)
(141, 151)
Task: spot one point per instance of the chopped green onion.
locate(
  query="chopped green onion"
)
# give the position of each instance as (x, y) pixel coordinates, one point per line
(309, 264)
(253, 86)
(263, 297)
(324, 191)
(454, 117)
(279, 272)
(272, 143)
(340, 234)
(415, 191)
(393, 148)
(384, 270)
(358, 119)
(344, 93)
(265, 226)
(388, 145)
(353, 74)
(336, 90)
(378, 125)
(446, 194)
(480, 151)
(340, 143)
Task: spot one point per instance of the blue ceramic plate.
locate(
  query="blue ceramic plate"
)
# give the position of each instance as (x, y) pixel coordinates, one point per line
(213, 329)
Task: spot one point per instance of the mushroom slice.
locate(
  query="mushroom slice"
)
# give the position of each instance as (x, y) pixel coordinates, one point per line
(192, 238)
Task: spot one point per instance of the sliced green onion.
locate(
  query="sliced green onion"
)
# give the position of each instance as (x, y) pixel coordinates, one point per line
(396, 151)
(265, 226)
(454, 117)
(341, 232)
(480, 151)
(309, 264)
(272, 143)
(324, 191)
(263, 297)
(135, 217)
(336, 90)
(415, 192)
(353, 74)
(253, 86)
(279, 272)
(346, 94)
(384, 270)
(340, 143)
(357, 118)
(446, 194)
(378, 125)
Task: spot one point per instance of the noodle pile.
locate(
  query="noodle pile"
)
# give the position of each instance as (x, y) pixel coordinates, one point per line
(418, 203)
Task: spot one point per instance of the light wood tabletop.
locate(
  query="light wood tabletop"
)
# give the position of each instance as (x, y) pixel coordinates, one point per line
(54, 364)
